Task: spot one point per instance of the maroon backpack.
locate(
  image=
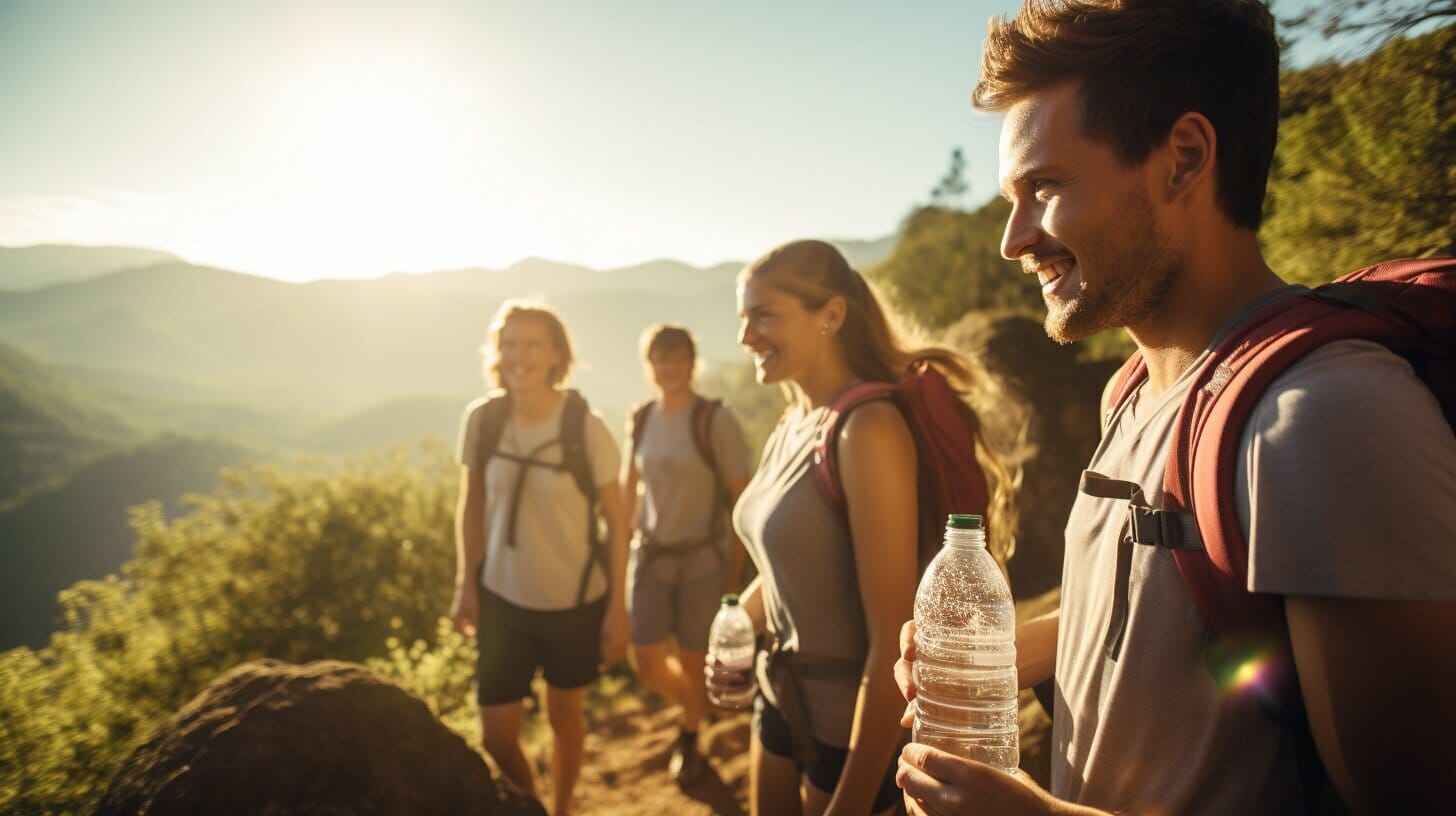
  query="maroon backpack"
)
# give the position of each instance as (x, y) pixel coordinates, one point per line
(949, 479)
(1409, 306)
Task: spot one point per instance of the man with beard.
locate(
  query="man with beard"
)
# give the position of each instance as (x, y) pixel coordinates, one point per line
(1136, 143)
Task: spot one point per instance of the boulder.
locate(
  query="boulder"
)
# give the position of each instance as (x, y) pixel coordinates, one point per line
(321, 738)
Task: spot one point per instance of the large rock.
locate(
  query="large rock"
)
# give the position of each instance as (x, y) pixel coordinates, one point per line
(321, 738)
(1046, 389)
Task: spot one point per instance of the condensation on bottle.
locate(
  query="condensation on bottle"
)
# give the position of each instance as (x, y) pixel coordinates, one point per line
(965, 652)
(731, 643)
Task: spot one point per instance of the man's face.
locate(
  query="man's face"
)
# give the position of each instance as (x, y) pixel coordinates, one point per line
(1081, 220)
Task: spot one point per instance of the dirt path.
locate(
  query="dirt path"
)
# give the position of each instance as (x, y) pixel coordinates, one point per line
(626, 767)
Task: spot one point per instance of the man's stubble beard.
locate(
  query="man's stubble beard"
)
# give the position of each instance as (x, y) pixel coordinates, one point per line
(1134, 278)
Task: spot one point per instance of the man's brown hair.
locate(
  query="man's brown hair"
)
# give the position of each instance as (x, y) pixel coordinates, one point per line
(1143, 64)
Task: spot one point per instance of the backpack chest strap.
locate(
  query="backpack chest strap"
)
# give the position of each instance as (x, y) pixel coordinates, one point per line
(1147, 525)
(526, 463)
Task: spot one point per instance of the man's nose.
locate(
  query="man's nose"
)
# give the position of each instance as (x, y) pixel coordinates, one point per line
(1022, 231)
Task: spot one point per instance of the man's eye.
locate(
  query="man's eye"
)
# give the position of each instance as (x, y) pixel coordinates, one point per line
(1042, 185)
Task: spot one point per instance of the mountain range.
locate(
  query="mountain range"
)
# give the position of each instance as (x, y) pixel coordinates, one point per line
(131, 375)
(337, 346)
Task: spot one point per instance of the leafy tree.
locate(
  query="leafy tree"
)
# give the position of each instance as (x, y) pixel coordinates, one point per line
(948, 262)
(952, 188)
(1366, 164)
(1380, 20)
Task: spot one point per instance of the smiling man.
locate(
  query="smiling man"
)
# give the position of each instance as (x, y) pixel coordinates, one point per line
(1135, 147)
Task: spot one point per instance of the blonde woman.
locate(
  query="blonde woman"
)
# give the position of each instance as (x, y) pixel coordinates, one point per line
(537, 584)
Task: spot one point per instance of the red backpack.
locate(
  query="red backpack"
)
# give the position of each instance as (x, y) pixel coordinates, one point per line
(949, 479)
(1409, 306)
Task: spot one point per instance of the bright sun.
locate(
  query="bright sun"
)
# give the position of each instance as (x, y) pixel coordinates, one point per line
(373, 175)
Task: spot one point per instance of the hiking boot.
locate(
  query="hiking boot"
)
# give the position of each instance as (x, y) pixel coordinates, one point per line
(686, 765)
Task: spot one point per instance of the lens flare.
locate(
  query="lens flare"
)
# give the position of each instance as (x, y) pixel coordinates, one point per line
(1253, 674)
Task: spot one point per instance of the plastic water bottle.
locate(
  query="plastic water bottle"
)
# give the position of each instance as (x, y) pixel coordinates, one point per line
(965, 652)
(731, 644)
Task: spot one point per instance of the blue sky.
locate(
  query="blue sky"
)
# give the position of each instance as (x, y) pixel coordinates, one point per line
(330, 139)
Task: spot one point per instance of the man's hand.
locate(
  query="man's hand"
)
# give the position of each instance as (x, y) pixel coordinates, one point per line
(614, 636)
(905, 671)
(940, 784)
(465, 609)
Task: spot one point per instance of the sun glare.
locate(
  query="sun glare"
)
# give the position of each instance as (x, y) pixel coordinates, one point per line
(372, 177)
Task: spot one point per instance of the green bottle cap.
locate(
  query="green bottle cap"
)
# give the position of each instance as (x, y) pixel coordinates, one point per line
(730, 599)
(963, 521)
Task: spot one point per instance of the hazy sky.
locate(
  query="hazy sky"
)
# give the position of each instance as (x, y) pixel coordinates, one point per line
(340, 139)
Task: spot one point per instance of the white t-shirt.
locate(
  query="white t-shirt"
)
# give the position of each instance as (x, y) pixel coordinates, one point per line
(544, 567)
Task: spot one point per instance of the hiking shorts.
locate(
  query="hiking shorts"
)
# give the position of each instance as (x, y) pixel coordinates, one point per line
(772, 731)
(673, 602)
(514, 642)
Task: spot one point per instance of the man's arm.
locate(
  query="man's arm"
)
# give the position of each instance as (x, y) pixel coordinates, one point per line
(1036, 649)
(1379, 683)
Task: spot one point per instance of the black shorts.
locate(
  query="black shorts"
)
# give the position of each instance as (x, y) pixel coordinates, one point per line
(773, 732)
(514, 642)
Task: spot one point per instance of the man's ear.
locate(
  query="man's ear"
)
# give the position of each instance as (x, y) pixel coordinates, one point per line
(1190, 148)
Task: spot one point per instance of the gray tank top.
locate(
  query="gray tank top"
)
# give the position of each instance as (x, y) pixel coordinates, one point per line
(805, 559)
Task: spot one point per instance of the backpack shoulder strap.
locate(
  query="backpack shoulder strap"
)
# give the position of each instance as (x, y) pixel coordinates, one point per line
(575, 460)
(704, 410)
(573, 445)
(493, 414)
(1408, 306)
(640, 412)
(826, 438)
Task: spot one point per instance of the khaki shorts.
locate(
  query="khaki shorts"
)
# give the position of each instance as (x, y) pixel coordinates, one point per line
(663, 604)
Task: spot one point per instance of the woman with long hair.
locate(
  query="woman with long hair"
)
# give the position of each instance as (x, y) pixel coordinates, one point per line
(830, 595)
(537, 584)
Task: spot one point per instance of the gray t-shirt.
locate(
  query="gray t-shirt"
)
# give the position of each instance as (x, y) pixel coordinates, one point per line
(679, 498)
(805, 559)
(543, 570)
(1347, 488)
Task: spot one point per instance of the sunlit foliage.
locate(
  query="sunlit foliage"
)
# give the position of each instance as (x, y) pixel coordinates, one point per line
(346, 560)
(948, 262)
(1366, 164)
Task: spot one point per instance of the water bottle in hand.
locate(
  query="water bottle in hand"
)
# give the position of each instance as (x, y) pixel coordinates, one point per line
(965, 652)
(731, 649)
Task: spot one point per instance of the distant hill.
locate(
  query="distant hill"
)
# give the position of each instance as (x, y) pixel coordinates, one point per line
(393, 421)
(77, 529)
(49, 424)
(863, 255)
(32, 267)
(339, 346)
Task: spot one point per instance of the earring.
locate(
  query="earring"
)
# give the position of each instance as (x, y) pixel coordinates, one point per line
(824, 332)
